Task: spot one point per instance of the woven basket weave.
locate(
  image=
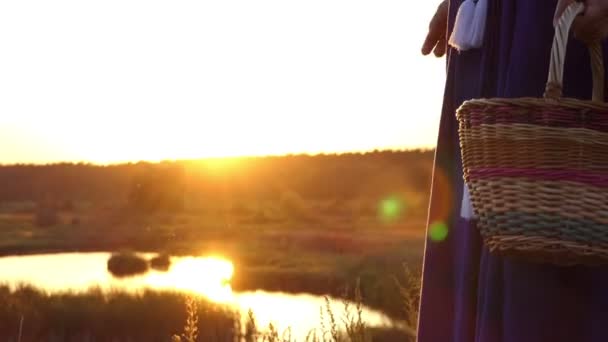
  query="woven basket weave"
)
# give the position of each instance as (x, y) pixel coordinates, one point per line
(537, 168)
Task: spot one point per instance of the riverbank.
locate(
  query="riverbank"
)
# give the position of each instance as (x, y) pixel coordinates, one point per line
(149, 316)
(289, 255)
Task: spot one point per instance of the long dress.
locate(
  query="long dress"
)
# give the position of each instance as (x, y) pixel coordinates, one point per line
(469, 294)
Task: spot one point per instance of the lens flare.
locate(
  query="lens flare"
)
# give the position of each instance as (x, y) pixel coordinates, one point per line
(391, 209)
(438, 231)
(441, 196)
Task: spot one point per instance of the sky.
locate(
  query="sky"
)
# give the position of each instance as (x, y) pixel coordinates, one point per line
(128, 80)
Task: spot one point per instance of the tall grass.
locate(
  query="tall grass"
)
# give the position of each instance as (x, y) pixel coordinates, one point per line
(410, 294)
(349, 327)
(28, 314)
(190, 333)
(96, 315)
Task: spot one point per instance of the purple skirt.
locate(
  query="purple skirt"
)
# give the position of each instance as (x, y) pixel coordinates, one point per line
(469, 294)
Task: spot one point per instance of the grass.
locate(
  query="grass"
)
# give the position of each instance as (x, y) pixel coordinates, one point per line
(190, 333)
(284, 254)
(272, 244)
(156, 315)
(292, 224)
(102, 316)
(410, 293)
(349, 327)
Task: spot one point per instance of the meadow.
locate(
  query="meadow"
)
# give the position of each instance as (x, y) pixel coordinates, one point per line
(28, 314)
(294, 224)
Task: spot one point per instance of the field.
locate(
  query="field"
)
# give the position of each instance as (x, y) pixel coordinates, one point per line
(293, 224)
(31, 315)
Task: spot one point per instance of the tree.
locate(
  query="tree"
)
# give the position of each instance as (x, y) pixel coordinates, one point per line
(158, 188)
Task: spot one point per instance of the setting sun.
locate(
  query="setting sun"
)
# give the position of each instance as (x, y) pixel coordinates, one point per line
(152, 80)
(217, 170)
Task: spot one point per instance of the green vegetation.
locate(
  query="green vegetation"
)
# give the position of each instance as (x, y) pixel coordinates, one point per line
(156, 316)
(294, 223)
(46, 216)
(349, 327)
(213, 184)
(100, 316)
(126, 264)
(286, 255)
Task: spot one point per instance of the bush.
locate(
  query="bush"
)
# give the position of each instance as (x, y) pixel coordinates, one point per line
(127, 264)
(46, 217)
(161, 262)
(158, 189)
(295, 207)
(261, 217)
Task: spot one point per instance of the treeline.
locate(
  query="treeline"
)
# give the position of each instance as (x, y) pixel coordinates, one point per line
(171, 185)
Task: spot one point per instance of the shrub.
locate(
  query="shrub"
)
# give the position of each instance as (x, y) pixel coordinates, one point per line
(127, 264)
(158, 189)
(46, 217)
(161, 262)
(295, 207)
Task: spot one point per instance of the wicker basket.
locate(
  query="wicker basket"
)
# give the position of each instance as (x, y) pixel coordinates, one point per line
(537, 168)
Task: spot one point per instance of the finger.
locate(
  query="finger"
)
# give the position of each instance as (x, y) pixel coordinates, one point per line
(436, 28)
(429, 43)
(431, 38)
(441, 47)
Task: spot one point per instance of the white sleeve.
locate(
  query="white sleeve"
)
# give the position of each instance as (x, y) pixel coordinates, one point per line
(466, 208)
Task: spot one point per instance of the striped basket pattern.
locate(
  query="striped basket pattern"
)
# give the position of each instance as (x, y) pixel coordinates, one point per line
(537, 168)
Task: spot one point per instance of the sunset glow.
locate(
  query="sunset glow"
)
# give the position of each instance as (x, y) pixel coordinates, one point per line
(209, 277)
(136, 80)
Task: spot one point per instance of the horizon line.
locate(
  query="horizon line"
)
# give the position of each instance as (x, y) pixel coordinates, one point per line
(258, 156)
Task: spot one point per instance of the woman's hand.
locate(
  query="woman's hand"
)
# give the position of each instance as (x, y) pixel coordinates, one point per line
(593, 24)
(436, 39)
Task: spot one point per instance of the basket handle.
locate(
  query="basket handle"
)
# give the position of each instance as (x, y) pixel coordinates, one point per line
(558, 57)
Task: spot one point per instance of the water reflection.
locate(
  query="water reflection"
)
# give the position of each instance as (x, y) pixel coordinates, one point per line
(208, 276)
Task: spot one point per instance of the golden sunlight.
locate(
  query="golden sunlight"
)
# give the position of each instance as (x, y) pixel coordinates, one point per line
(209, 277)
(219, 165)
(344, 84)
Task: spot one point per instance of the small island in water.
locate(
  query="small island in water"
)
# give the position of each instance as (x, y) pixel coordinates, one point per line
(125, 264)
